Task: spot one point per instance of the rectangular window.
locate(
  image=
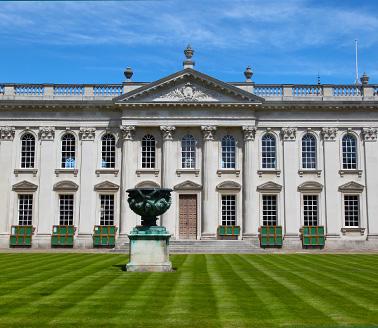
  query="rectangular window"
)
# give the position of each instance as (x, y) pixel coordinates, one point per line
(310, 210)
(66, 209)
(269, 210)
(228, 210)
(107, 210)
(25, 209)
(351, 210)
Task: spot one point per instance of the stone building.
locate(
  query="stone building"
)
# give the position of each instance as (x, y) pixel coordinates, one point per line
(236, 154)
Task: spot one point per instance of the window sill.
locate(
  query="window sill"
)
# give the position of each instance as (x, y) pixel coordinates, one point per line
(228, 171)
(309, 171)
(107, 171)
(351, 171)
(147, 171)
(66, 171)
(188, 171)
(267, 171)
(25, 171)
(353, 231)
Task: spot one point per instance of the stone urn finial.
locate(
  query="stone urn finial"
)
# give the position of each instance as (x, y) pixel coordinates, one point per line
(364, 79)
(128, 73)
(188, 52)
(248, 73)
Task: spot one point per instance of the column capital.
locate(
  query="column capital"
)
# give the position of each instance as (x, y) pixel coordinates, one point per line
(329, 134)
(7, 133)
(369, 134)
(167, 131)
(208, 131)
(47, 133)
(87, 134)
(289, 134)
(249, 132)
(127, 132)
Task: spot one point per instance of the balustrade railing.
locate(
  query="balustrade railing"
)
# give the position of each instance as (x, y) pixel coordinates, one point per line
(68, 90)
(29, 90)
(346, 90)
(268, 90)
(307, 90)
(107, 90)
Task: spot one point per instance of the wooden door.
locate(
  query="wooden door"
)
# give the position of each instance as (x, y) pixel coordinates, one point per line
(188, 216)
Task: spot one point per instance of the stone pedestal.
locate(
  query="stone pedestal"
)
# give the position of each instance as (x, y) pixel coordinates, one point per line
(149, 249)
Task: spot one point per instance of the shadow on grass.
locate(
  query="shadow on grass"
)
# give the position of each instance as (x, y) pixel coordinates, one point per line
(122, 267)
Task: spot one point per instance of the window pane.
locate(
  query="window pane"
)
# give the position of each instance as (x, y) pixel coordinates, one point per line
(268, 151)
(188, 152)
(228, 152)
(310, 210)
(148, 152)
(269, 210)
(107, 210)
(25, 209)
(228, 210)
(349, 145)
(66, 209)
(68, 151)
(309, 152)
(108, 151)
(27, 151)
(351, 210)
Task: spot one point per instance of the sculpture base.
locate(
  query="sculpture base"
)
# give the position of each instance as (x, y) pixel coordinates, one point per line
(149, 250)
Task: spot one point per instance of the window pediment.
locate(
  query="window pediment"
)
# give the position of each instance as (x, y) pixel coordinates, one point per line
(228, 185)
(147, 184)
(187, 185)
(106, 186)
(351, 187)
(65, 186)
(269, 186)
(24, 186)
(310, 186)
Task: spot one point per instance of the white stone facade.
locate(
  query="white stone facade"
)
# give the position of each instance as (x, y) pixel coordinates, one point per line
(192, 103)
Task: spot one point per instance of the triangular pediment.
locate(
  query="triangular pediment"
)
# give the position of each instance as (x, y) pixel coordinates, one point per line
(310, 186)
(24, 186)
(106, 186)
(269, 186)
(351, 187)
(188, 86)
(229, 185)
(187, 185)
(65, 186)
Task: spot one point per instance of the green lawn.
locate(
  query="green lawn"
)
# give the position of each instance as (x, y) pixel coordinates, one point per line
(273, 290)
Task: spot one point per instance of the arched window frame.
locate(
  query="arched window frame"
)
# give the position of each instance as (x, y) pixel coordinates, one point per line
(28, 145)
(68, 151)
(148, 152)
(269, 151)
(188, 152)
(228, 159)
(108, 151)
(349, 152)
(309, 152)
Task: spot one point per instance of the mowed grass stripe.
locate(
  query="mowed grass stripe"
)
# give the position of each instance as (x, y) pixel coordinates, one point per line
(346, 309)
(293, 297)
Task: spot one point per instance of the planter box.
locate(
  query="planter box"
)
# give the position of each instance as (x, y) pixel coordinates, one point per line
(312, 236)
(104, 236)
(21, 236)
(270, 236)
(63, 236)
(228, 232)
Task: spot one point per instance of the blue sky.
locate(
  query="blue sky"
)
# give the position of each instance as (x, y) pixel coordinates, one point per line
(92, 42)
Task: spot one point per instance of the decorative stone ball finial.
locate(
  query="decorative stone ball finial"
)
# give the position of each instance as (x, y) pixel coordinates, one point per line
(364, 79)
(248, 74)
(128, 73)
(189, 52)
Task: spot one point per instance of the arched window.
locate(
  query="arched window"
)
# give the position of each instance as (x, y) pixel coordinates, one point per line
(268, 151)
(228, 152)
(108, 151)
(188, 152)
(68, 151)
(349, 145)
(27, 151)
(308, 151)
(148, 152)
